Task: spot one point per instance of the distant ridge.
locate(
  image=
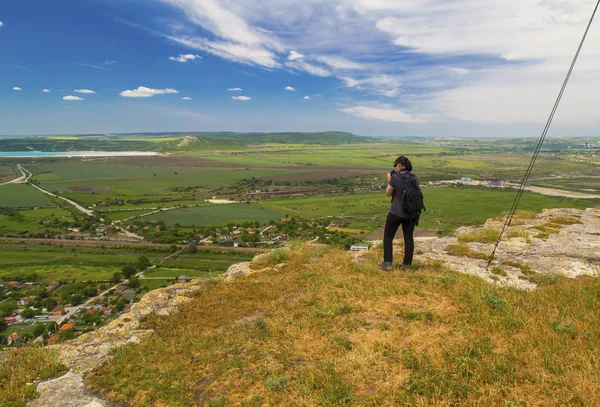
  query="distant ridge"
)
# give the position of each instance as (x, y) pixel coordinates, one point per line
(136, 141)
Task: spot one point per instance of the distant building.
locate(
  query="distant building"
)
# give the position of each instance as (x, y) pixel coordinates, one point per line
(59, 311)
(25, 301)
(67, 327)
(182, 279)
(52, 287)
(466, 179)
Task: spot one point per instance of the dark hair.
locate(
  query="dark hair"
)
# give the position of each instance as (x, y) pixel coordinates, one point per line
(403, 161)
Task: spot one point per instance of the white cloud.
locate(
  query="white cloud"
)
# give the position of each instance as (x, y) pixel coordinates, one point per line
(186, 98)
(89, 65)
(72, 98)
(295, 55)
(289, 88)
(385, 113)
(243, 53)
(442, 52)
(235, 89)
(1, 23)
(109, 62)
(184, 58)
(340, 63)
(306, 97)
(144, 92)
(84, 91)
(46, 90)
(385, 85)
(243, 98)
(17, 88)
(308, 68)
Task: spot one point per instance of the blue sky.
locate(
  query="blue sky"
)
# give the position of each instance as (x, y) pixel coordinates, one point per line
(387, 68)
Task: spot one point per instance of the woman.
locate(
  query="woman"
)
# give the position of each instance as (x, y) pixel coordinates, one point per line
(399, 181)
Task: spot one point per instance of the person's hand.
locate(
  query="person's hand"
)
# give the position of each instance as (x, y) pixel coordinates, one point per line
(389, 175)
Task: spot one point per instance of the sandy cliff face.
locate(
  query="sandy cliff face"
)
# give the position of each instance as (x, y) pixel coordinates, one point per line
(558, 241)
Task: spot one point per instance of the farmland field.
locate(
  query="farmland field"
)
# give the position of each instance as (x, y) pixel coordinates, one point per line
(98, 263)
(447, 207)
(22, 196)
(214, 215)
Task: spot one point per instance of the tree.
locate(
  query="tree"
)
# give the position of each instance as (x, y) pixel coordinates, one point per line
(143, 263)
(128, 271)
(49, 303)
(28, 313)
(133, 283)
(117, 277)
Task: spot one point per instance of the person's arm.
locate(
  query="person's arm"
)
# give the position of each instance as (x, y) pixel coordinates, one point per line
(389, 190)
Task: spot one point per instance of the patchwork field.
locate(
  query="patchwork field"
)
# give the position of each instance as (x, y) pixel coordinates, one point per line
(215, 215)
(447, 207)
(22, 196)
(98, 263)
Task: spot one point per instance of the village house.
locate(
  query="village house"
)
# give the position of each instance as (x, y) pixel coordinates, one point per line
(182, 279)
(67, 327)
(52, 287)
(58, 311)
(25, 301)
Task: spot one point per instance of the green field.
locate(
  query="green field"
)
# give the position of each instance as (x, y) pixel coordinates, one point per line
(96, 263)
(212, 215)
(447, 207)
(29, 220)
(22, 196)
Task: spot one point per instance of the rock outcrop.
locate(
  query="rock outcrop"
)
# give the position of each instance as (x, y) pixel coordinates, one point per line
(558, 241)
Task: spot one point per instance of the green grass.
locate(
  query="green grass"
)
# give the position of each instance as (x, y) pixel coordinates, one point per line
(21, 370)
(214, 215)
(28, 220)
(327, 331)
(22, 196)
(447, 207)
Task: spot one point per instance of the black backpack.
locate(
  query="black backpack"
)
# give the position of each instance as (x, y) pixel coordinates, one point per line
(411, 198)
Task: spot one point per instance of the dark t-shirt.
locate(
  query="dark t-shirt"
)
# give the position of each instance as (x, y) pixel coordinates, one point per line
(398, 181)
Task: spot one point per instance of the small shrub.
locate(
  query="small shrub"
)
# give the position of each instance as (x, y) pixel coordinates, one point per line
(482, 235)
(461, 249)
(499, 271)
(564, 220)
(523, 214)
(545, 231)
(514, 233)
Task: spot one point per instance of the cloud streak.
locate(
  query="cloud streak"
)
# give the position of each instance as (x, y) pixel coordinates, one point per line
(183, 58)
(84, 91)
(17, 88)
(144, 92)
(72, 98)
(385, 113)
(241, 98)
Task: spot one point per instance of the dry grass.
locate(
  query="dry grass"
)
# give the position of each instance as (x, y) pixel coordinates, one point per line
(19, 372)
(462, 249)
(564, 220)
(329, 332)
(480, 235)
(545, 231)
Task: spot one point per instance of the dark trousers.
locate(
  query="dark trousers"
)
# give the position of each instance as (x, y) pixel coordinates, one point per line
(392, 224)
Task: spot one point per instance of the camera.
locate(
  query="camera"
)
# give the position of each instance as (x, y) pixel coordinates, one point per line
(393, 172)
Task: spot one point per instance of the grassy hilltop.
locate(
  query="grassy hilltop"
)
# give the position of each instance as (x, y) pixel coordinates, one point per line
(326, 331)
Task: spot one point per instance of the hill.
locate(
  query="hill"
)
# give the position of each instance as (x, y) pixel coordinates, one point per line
(313, 325)
(169, 141)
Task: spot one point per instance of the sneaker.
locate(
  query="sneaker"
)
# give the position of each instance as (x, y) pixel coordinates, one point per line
(386, 266)
(406, 267)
